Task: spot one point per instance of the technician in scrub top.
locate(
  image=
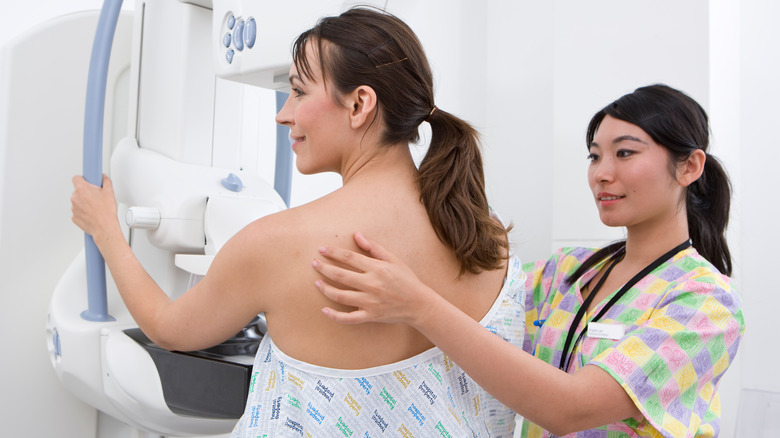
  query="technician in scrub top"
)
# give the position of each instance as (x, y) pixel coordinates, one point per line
(628, 340)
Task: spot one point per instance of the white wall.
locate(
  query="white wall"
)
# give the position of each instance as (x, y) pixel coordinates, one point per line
(36, 240)
(756, 197)
(18, 17)
(724, 110)
(554, 64)
(529, 74)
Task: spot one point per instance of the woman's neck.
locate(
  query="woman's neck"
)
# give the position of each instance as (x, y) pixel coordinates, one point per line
(645, 244)
(393, 161)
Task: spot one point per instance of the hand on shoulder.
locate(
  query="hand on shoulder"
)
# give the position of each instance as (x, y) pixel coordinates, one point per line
(381, 286)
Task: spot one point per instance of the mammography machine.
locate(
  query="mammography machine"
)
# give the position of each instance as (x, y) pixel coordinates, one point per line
(186, 177)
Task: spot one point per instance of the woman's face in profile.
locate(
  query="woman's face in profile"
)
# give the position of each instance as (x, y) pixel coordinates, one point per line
(316, 120)
(629, 177)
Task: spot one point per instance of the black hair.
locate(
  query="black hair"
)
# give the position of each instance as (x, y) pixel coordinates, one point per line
(678, 123)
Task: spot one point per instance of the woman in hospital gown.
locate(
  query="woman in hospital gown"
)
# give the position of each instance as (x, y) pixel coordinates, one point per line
(361, 87)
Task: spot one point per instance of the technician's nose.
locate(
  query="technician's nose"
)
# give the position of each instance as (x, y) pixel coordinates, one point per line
(604, 170)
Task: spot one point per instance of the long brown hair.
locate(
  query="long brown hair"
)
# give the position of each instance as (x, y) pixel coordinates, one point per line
(365, 46)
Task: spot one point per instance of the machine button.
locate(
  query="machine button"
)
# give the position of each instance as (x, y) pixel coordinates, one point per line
(229, 56)
(250, 33)
(233, 183)
(238, 35)
(56, 343)
(227, 39)
(231, 21)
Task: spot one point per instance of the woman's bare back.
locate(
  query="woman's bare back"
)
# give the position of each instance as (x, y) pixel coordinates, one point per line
(384, 209)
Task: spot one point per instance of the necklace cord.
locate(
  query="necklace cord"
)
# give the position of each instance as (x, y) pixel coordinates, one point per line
(566, 355)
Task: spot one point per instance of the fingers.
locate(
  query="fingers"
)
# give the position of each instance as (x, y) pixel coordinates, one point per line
(340, 296)
(362, 242)
(348, 298)
(357, 261)
(376, 250)
(338, 274)
(350, 318)
(93, 207)
(78, 180)
(351, 259)
(107, 184)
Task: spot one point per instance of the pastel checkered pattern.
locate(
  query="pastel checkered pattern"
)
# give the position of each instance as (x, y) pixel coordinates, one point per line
(425, 396)
(683, 326)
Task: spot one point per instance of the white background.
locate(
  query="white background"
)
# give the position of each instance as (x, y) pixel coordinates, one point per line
(529, 74)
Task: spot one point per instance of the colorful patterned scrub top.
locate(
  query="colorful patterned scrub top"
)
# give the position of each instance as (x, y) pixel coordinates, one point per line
(427, 395)
(683, 323)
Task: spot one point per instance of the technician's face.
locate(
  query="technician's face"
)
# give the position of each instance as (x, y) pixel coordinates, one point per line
(315, 119)
(630, 178)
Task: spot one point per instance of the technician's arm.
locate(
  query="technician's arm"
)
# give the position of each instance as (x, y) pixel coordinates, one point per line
(204, 316)
(559, 402)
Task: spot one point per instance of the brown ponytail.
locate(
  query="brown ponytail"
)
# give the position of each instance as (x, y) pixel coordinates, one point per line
(452, 183)
(369, 47)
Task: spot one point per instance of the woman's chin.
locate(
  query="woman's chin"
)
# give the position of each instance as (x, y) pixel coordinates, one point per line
(611, 221)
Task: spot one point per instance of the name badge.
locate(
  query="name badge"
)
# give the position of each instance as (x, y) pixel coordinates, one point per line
(606, 331)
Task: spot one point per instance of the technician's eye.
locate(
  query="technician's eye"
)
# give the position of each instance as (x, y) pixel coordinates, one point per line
(623, 153)
(298, 92)
(592, 157)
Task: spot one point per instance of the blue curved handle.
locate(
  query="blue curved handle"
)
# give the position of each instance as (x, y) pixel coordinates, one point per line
(93, 151)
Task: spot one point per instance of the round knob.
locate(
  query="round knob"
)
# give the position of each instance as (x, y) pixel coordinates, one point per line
(143, 217)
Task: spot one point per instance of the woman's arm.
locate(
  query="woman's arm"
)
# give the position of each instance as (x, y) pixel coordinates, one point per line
(212, 311)
(385, 290)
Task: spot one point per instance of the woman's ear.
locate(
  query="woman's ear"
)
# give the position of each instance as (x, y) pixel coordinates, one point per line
(691, 169)
(362, 104)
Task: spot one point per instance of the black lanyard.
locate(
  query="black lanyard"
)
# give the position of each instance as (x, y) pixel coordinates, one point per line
(566, 354)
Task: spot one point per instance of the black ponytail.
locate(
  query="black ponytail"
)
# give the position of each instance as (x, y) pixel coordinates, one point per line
(708, 203)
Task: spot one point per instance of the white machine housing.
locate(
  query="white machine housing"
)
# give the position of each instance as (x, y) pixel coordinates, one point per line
(186, 179)
(267, 62)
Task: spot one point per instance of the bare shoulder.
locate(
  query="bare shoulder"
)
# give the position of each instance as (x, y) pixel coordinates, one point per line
(257, 259)
(268, 239)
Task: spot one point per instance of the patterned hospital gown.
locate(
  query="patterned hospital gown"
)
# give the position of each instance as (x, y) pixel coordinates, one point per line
(683, 326)
(427, 395)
